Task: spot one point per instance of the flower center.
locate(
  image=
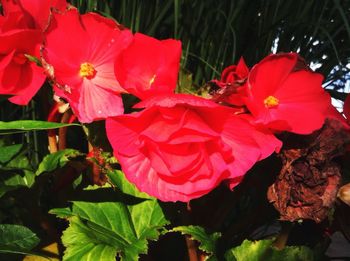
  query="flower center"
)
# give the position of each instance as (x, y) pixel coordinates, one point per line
(20, 58)
(271, 101)
(87, 70)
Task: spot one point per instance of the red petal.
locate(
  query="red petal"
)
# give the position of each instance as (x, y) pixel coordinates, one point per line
(267, 75)
(97, 103)
(26, 93)
(149, 66)
(171, 100)
(248, 144)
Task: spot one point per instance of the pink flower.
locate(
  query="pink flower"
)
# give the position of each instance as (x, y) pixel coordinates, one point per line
(80, 52)
(19, 76)
(149, 66)
(284, 95)
(180, 147)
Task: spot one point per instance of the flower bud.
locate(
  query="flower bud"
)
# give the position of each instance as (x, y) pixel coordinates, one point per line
(344, 194)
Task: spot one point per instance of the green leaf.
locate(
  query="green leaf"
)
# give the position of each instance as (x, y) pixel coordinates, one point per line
(263, 250)
(57, 160)
(29, 125)
(124, 226)
(89, 247)
(17, 239)
(8, 152)
(61, 212)
(15, 169)
(77, 181)
(207, 241)
(118, 179)
(33, 59)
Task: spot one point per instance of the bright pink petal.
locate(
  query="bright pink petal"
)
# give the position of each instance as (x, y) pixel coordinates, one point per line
(248, 144)
(111, 41)
(171, 100)
(270, 73)
(9, 79)
(36, 10)
(212, 144)
(139, 170)
(10, 6)
(73, 49)
(90, 39)
(6, 59)
(242, 68)
(301, 100)
(19, 76)
(97, 103)
(26, 94)
(149, 66)
(21, 40)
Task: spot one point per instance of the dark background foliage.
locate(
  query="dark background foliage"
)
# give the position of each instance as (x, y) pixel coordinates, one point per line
(216, 34)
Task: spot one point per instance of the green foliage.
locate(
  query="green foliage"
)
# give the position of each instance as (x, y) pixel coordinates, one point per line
(57, 160)
(263, 250)
(15, 169)
(117, 178)
(17, 239)
(121, 225)
(29, 125)
(8, 152)
(207, 241)
(84, 243)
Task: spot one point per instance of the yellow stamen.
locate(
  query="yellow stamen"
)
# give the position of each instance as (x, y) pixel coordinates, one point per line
(271, 101)
(87, 70)
(152, 80)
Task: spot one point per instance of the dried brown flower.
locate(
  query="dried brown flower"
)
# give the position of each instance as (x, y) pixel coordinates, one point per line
(307, 185)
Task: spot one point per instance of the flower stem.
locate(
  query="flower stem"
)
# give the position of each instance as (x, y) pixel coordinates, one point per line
(191, 249)
(282, 238)
(53, 117)
(62, 132)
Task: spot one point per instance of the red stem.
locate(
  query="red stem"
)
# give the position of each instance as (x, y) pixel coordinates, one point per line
(191, 249)
(62, 132)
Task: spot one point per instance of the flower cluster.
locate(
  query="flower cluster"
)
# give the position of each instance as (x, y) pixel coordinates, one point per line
(176, 147)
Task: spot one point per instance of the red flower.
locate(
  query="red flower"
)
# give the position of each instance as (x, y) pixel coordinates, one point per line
(233, 74)
(80, 52)
(232, 84)
(35, 13)
(149, 66)
(19, 76)
(181, 147)
(285, 95)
